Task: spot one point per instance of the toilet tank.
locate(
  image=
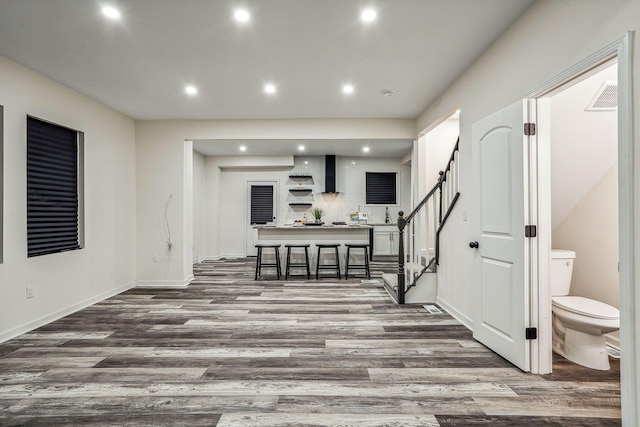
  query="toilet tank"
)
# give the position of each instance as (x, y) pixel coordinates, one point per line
(560, 270)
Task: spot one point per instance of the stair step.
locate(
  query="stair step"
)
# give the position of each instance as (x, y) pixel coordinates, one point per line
(391, 280)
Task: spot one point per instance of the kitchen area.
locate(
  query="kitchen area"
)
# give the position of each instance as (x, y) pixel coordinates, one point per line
(358, 196)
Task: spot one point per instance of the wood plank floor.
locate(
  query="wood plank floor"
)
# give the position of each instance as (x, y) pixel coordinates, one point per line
(230, 351)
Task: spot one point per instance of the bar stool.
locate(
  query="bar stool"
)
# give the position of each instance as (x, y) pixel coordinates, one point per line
(364, 266)
(260, 264)
(335, 266)
(297, 264)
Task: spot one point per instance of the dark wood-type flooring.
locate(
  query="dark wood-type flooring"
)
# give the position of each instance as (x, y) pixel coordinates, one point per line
(230, 351)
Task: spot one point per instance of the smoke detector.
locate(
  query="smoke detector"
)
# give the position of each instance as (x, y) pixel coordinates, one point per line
(606, 98)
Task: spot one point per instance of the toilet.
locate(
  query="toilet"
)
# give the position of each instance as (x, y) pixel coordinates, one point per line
(579, 323)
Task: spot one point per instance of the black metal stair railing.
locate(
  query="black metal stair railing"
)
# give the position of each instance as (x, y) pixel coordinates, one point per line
(419, 231)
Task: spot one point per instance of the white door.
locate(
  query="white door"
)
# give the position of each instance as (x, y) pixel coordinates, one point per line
(261, 203)
(501, 291)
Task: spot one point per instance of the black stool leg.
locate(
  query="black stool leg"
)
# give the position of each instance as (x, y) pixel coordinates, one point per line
(338, 262)
(346, 268)
(286, 274)
(318, 264)
(278, 263)
(306, 257)
(366, 261)
(258, 262)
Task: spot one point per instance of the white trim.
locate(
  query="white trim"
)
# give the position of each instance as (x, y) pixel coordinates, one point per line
(165, 283)
(41, 321)
(629, 258)
(460, 317)
(612, 341)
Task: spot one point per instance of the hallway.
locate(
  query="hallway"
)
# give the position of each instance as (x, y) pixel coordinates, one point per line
(231, 351)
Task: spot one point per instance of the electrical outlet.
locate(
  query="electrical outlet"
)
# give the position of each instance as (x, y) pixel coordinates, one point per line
(29, 292)
(154, 257)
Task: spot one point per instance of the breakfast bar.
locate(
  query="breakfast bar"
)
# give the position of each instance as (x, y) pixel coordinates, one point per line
(314, 235)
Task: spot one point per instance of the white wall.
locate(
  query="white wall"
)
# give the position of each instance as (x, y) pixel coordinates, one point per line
(66, 281)
(199, 195)
(584, 145)
(591, 230)
(439, 146)
(549, 38)
(226, 189)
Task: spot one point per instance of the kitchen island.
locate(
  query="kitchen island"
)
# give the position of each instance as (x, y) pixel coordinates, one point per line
(314, 234)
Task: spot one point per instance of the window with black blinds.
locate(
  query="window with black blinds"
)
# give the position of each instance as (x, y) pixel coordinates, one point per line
(52, 188)
(261, 204)
(381, 188)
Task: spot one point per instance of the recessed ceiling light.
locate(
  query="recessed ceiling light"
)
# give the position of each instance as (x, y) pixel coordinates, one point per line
(243, 148)
(191, 90)
(306, 162)
(301, 148)
(111, 12)
(270, 88)
(368, 15)
(365, 149)
(241, 15)
(347, 88)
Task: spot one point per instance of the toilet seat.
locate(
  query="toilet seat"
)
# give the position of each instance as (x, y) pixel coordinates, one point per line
(586, 307)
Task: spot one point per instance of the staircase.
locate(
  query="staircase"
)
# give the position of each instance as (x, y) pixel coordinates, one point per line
(419, 239)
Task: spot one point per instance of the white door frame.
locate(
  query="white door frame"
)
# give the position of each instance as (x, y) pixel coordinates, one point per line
(629, 257)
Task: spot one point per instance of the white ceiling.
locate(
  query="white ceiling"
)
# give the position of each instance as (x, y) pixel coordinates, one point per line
(312, 147)
(140, 64)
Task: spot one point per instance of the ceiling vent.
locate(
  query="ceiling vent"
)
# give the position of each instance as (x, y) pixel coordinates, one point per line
(605, 99)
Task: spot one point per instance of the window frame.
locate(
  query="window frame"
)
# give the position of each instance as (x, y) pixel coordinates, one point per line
(79, 184)
(396, 190)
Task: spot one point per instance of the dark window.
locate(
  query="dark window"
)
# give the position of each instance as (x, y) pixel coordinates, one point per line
(381, 188)
(261, 204)
(52, 188)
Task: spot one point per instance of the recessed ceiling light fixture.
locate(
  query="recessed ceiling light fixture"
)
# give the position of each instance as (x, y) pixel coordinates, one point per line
(368, 15)
(348, 88)
(365, 149)
(111, 12)
(243, 148)
(191, 90)
(301, 148)
(270, 88)
(242, 15)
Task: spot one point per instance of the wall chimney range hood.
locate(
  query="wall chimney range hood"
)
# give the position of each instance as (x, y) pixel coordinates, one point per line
(330, 174)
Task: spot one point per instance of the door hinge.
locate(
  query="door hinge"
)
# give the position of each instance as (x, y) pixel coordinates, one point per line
(529, 128)
(531, 333)
(530, 231)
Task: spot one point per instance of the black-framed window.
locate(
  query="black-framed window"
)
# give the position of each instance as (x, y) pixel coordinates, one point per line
(262, 203)
(53, 214)
(381, 188)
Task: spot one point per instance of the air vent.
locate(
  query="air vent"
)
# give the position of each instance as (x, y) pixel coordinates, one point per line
(605, 99)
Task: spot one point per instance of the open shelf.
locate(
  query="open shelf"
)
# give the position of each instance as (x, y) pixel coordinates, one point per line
(300, 204)
(300, 190)
(300, 176)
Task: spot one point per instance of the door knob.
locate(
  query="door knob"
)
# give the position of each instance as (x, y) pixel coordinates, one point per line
(474, 245)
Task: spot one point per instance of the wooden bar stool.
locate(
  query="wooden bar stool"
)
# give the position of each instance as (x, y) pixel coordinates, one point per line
(260, 264)
(333, 266)
(297, 264)
(364, 266)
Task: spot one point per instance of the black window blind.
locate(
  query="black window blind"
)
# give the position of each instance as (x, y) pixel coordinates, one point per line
(261, 204)
(52, 188)
(381, 188)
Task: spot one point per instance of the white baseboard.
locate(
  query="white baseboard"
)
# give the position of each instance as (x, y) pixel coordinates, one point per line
(466, 321)
(164, 283)
(41, 321)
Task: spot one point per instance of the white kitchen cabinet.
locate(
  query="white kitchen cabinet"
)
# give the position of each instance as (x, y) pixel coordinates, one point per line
(385, 240)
